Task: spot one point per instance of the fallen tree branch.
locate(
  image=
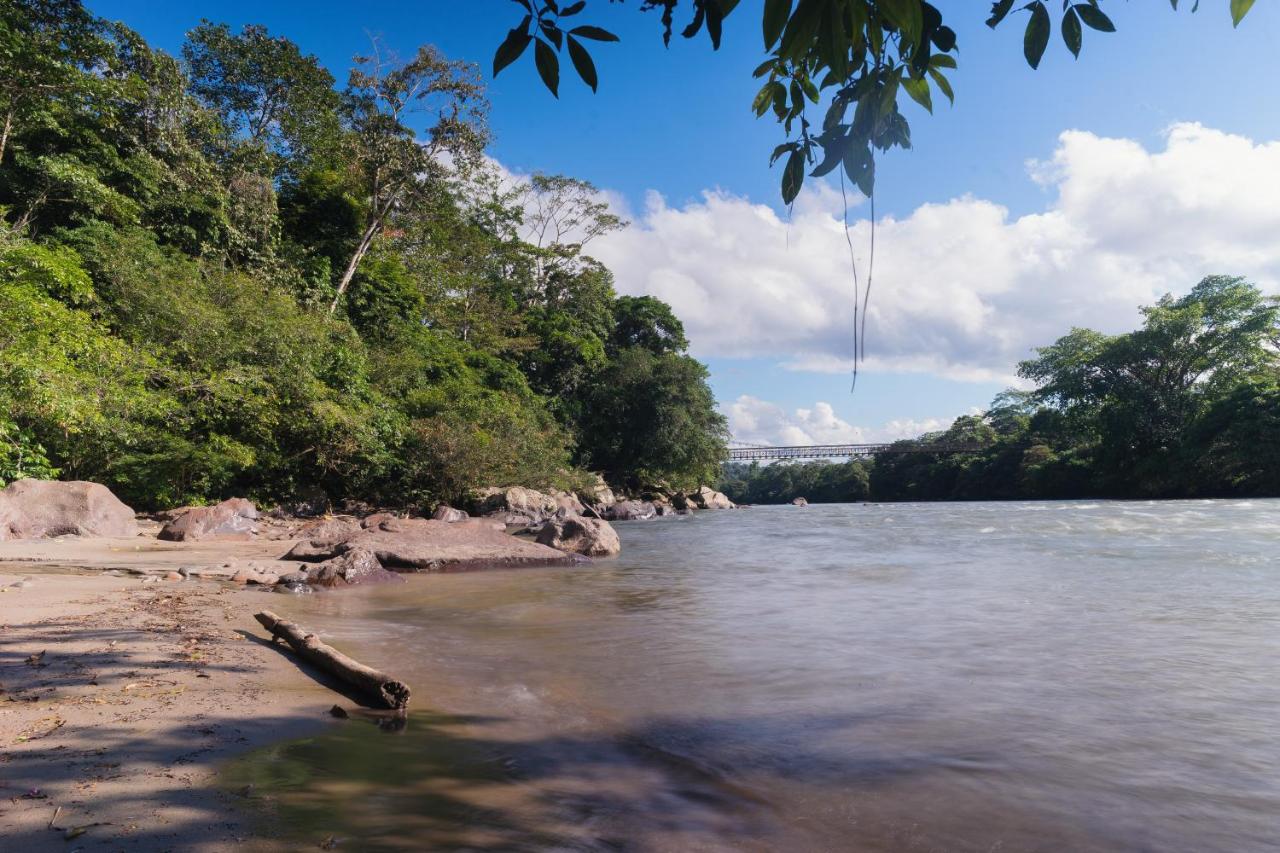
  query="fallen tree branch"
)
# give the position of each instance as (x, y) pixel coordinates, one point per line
(377, 685)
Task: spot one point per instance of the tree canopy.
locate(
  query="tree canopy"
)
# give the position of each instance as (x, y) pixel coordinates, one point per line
(222, 275)
(1185, 406)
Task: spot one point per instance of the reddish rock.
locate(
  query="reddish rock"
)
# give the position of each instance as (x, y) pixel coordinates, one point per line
(355, 567)
(235, 518)
(335, 527)
(429, 545)
(448, 513)
(38, 509)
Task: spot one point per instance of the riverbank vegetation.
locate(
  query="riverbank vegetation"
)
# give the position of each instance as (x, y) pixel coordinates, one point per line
(222, 273)
(1186, 406)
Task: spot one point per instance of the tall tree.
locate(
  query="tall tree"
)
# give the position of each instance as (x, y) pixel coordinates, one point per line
(396, 167)
(268, 94)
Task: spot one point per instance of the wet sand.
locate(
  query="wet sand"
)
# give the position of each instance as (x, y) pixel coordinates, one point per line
(121, 695)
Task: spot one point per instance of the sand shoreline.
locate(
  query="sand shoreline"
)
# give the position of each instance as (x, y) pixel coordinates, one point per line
(120, 696)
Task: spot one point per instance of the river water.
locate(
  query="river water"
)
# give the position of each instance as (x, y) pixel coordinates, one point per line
(950, 677)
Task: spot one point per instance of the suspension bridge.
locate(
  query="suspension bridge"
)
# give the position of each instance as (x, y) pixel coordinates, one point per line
(740, 451)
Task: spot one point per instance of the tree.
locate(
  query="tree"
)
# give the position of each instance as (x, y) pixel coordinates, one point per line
(1149, 385)
(869, 52)
(648, 323)
(396, 168)
(651, 419)
(264, 89)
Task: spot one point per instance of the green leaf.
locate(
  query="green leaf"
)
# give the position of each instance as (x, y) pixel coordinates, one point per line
(714, 21)
(793, 177)
(763, 68)
(762, 99)
(940, 61)
(1094, 17)
(594, 33)
(1071, 32)
(918, 89)
(780, 150)
(552, 5)
(552, 32)
(907, 15)
(1239, 8)
(582, 62)
(944, 39)
(776, 13)
(573, 8)
(860, 166)
(943, 84)
(832, 154)
(1036, 37)
(801, 30)
(512, 46)
(999, 11)
(548, 66)
(810, 90)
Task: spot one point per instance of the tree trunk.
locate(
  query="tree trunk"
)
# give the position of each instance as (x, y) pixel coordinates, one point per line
(4, 136)
(379, 687)
(362, 249)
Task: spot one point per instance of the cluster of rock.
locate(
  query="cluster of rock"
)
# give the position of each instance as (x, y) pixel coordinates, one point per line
(379, 548)
(43, 509)
(554, 528)
(521, 507)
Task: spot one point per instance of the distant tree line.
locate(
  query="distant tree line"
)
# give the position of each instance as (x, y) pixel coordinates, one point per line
(1186, 406)
(221, 273)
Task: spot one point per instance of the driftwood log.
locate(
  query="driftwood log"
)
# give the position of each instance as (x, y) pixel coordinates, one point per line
(378, 686)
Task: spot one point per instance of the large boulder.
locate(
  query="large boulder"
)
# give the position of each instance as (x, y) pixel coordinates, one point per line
(334, 527)
(630, 511)
(799, 502)
(355, 567)
(445, 512)
(567, 504)
(591, 537)
(38, 509)
(704, 498)
(598, 495)
(430, 545)
(235, 518)
(518, 500)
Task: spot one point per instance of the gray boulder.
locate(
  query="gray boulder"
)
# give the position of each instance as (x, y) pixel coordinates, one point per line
(630, 511)
(799, 502)
(590, 537)
(39, 509)
(705, 498)
(448, 513)
(357, 566)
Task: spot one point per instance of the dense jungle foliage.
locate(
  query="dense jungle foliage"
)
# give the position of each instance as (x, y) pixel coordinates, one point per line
(220, 273)
(1186, 406)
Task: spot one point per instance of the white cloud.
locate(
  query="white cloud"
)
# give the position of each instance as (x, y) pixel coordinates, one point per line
(758, 421)
(961, 288)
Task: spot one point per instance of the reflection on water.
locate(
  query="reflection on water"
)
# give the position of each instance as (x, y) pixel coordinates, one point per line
(1022, 676)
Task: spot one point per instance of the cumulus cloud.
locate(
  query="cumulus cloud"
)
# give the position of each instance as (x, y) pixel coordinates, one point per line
(962, 289)
(758, 421)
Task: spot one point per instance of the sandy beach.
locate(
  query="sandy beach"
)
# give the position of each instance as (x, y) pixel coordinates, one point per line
(120, 694)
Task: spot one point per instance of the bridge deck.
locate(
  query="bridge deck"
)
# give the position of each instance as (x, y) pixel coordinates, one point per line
(830, 451)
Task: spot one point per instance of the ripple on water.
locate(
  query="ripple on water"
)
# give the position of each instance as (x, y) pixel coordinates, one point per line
(1101, 678)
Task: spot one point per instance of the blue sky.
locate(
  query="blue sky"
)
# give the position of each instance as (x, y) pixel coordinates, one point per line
(952, 321)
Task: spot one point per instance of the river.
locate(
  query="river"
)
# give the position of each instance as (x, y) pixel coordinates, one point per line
(1088, 676)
